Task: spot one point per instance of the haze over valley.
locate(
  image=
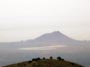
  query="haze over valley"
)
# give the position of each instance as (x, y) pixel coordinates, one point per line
(50, 44)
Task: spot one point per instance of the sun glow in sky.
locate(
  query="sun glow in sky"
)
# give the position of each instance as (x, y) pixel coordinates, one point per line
(27, 19)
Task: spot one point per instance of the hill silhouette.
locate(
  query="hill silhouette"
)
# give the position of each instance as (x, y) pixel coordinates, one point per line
(37, 62)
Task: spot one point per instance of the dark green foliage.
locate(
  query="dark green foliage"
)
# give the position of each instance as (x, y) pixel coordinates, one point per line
(37, 62)
(59, 58)
(62, 59)
(36, 59)
(29, 61)
(51, 57)
(43, 58)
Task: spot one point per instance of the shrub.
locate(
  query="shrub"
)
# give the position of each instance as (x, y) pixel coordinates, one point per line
(72, 63)
(51, 57)
(36, 59)
(29, 61)
(43, 58)
(59, 58)
(62, 59)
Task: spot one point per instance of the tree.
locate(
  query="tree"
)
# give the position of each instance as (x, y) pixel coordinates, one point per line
(59, 58)
(36, 59)
(43, 58)
(29, 61)
(51, 57)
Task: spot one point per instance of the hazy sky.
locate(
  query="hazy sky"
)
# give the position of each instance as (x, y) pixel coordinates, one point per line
(27, 19)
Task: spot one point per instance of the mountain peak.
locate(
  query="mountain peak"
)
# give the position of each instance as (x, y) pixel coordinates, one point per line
(55, 36)
(56, 32)
(50, 35)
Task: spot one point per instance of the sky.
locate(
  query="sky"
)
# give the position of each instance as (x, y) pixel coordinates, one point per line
(28, 19)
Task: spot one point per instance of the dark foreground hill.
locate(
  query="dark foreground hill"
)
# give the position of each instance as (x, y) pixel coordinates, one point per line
(45, 63)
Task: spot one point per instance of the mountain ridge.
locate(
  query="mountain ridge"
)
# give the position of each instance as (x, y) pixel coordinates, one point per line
(55, 37)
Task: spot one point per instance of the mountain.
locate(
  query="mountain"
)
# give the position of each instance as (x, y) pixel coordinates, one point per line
(54, 38)
(45, 63)
(49, 44)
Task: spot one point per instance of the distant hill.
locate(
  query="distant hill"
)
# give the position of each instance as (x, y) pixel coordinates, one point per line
(54, 38)
(45, 63)
(54, 43)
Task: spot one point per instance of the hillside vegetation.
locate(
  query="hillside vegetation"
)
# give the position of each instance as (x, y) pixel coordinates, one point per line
(37, 62)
